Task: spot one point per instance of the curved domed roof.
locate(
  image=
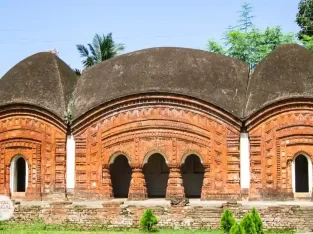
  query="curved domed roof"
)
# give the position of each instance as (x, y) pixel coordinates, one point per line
(42, 80)
(217, 79)
(285, 73)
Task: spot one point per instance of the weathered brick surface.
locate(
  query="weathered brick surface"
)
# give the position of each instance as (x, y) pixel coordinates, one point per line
(116, 214)
(173, 126)
(277, 136)
(41, 141)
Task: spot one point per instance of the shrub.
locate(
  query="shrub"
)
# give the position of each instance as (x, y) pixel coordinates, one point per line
(237, 229)
(227, 221)
(147, 220)
(257, 221)
(248, 224)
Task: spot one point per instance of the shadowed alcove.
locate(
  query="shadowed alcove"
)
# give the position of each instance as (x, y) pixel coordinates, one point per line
(156, 175)
(18, 174)
(192, 173)
(302, 174)
(120, 176)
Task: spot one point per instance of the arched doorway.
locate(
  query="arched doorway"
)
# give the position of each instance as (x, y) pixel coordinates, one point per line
(121, 172)
(193, 174)
(301, 174)
(156, 175)
(18, 181)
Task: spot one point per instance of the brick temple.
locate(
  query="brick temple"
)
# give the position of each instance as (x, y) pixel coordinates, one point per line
(158, 123)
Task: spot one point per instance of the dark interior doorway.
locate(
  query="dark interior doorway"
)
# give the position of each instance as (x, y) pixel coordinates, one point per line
(156, 175)
(120, 176)
(20, 175)
(193, 174)
(302, 174)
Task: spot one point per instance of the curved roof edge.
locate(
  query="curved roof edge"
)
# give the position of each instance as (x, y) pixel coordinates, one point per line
(43, 80)
(213, 78)
(286, 73)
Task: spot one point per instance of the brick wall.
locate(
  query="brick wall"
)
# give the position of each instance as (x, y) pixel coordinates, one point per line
(116, 214)
(173, 127)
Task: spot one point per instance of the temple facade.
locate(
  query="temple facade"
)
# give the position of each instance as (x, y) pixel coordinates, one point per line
(159, 123)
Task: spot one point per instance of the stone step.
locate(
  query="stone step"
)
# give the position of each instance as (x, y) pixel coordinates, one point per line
(302, 196)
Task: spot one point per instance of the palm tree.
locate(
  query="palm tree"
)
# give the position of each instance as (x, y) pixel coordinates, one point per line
(77, 71)
(102, 48)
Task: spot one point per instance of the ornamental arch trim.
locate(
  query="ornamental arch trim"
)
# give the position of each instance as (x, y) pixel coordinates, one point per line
(304, 153)
(186, 155)
(116, 154)
(150, 153)
(276, 108)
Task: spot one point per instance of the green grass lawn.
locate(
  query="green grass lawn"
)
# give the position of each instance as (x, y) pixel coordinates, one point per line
(32, 231)
(98, 232)
(29, 230)
(40, 228)
(165, 231)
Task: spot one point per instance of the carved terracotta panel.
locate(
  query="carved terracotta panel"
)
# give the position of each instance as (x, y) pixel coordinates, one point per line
(155, 125)
(42, 144)
(274, 143)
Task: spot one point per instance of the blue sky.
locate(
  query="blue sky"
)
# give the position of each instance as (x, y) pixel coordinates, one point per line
(32, 26)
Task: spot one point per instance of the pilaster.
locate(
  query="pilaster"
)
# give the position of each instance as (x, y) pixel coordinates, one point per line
(106, 185)
(137, 188)
(175, 188)
(206, 186)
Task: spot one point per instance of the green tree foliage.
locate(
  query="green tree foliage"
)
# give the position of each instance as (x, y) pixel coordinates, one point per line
(215, 47)
(237, 229)
(227, 221)
(248, 225)
(147, 220)
(308, 42)
(102, 48)
(249, 43)
(305, 18)
(77, 71)
(245, 19)
(257, 221)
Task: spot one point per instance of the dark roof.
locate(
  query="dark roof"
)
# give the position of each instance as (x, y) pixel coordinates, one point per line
(46, 81)
(43, 80)
(284, 74)
(213, 78)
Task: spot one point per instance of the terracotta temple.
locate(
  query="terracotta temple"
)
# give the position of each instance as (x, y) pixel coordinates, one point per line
(159, 123)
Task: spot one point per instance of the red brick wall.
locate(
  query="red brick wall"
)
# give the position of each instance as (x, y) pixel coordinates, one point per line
(172, 126)
(115, 214)
(42, 142)
(276, 136)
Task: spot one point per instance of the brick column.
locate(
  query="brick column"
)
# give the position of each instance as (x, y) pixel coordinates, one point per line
(206, 186)
(137, 188)
(289, 176)
(7, 190)
(106, 186)
(175, 188)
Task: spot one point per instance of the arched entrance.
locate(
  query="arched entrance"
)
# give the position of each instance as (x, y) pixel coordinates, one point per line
(301, 174)
(120, 176)
(193, 174)
(156, 175)
(19, 174)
